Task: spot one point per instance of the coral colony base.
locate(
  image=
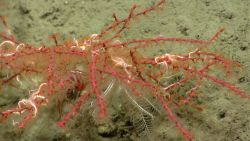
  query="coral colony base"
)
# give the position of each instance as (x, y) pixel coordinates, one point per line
(95, 66)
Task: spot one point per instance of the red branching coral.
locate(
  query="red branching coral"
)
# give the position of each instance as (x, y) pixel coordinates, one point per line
(89, 64)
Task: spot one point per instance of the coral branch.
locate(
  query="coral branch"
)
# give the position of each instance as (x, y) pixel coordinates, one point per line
(231, 87)
(74, 110)
(173, 118)
(94, 85)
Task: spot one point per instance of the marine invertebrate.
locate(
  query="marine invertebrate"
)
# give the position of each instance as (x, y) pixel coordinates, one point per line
(91, 64)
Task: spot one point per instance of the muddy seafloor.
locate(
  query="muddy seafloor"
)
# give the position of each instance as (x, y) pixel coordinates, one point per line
(225, 117)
